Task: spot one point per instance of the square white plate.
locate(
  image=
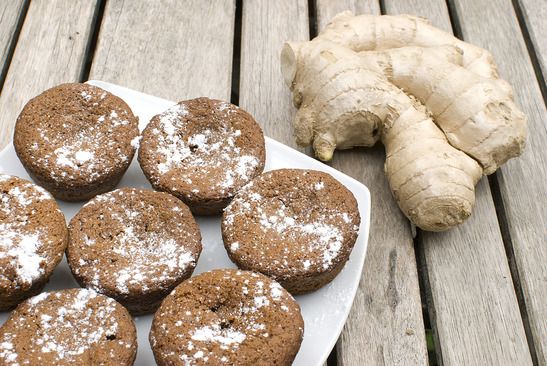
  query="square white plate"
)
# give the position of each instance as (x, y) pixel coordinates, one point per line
(324, 311)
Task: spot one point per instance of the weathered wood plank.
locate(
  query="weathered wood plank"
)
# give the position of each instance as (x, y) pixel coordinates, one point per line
(535, 14)
(188, 55)
(266, 25)
(435, 10)
(477, 315)
(522, 180)
(10, 13)
(50, 51)
(327, 9)
(385, 325)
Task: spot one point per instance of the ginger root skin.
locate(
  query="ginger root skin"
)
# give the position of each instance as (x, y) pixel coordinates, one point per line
(339, 94)
(381, 32)
(328, 119)
(478, 115)
(435, 102)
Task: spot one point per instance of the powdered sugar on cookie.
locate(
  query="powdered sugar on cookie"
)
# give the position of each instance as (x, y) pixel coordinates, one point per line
(80, 138)
(202, 150)
(292, 224)
(230, 313)
(148, 243)
(21, 240)
(209, 149)
(64, 325)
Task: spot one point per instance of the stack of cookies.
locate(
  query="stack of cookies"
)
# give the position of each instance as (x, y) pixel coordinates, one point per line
(133, 251)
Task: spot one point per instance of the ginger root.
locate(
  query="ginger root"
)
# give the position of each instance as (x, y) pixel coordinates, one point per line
(434, 101)
(372, 32)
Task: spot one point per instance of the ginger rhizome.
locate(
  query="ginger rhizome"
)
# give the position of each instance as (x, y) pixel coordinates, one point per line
(435, 102)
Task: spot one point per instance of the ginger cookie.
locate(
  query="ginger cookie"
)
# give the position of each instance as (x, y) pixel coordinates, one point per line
(227, 317)
(202, 151)
(33, 238)
(76, 140)
(68, 327)
(133, 245)
(296, 226)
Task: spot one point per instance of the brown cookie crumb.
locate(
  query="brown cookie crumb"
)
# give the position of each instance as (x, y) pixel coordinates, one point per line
(202, 151)
(296, 226)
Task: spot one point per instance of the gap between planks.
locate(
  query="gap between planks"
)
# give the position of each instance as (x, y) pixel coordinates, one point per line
(93, 38)
(236, 54)
(531, 18)
(12, 16)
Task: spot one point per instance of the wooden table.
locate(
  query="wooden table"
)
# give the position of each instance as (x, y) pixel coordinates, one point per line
(481, 288)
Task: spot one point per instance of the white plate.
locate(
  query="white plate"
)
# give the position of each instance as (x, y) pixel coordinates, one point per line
(324, 311)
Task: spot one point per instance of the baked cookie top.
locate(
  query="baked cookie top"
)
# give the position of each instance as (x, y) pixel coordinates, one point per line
(202, 149)
(68, 327)
(130, 242)
(33, 235)
(227, 317)
(75, 135)
(291, 223)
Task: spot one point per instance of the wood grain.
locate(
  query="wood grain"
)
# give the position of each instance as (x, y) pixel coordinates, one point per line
(327, 9)
(172, 49)
(477, 316)
(10, 12)
(522, 180)
(535, 15)
(435, 10)
(266, 25)
(385, 325)
(48, 53)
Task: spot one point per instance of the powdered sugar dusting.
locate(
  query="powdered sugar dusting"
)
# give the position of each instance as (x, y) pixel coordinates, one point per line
(86, 96)
(329, 240)
(316, 233)
(245, 165)
(227, 338)
(136, 142)
(73, 159)
(209, 154)
(64, 331)
(216, 331)
(20, 241)
(7, 351)
(276, 291)
(147, 252)
(38, 298)
(82, 148)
